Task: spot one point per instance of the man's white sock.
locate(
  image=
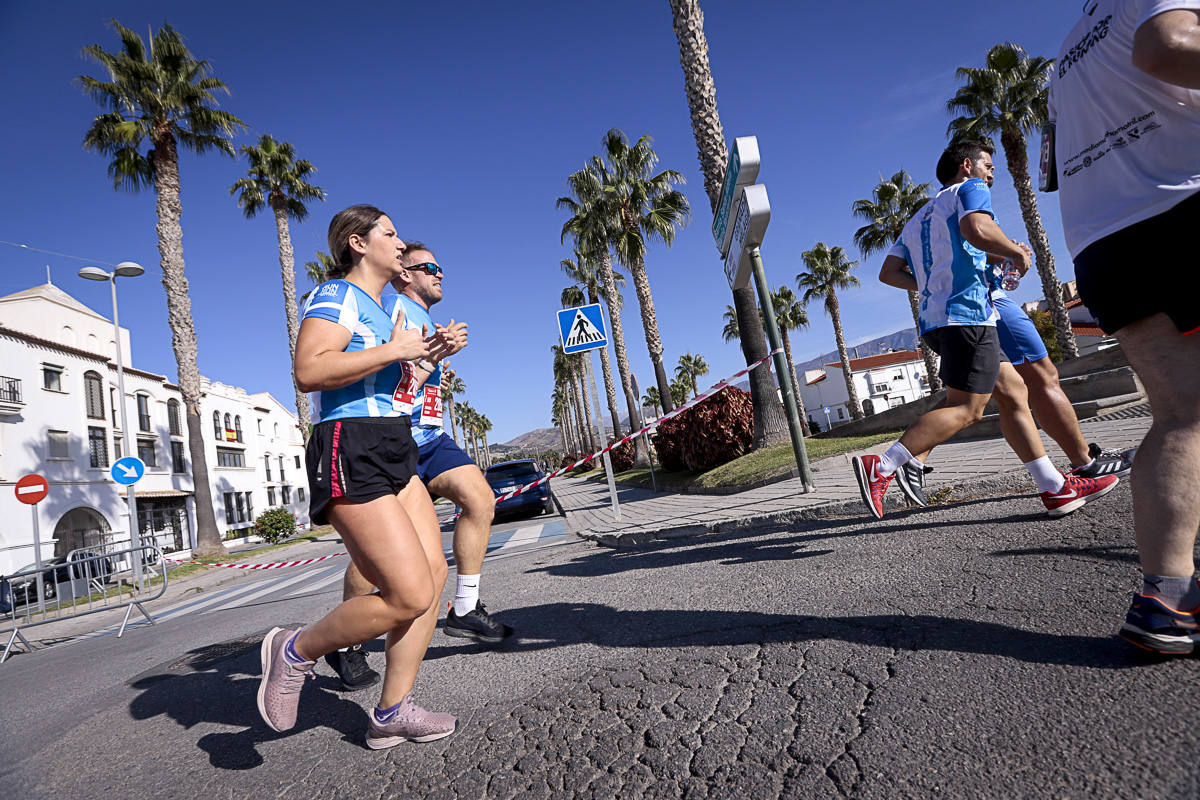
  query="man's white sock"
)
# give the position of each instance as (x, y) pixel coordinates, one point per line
(896, 456)
(1048, 478)
(466, 594)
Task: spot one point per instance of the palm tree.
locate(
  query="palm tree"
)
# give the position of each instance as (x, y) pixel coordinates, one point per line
(278, 180)
(467, 418)
(770, 424)
(679, 389)
(564, 373)
(653, 400)
(163, 98)
(731, 330)
(317, 271)
(828, 271)
(583, 270)
(453, 386)
(558, 416)
(1008, 96)
(485, 425)
(646, 206)
(591, 225)
(790, 315)
(691, 367)
(893, 203)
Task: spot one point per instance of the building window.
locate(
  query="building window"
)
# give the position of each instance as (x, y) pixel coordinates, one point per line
(116, 447)
(143, 412)
(260, 424)
(840, 414)
(93, 390)
(229, 508)
(229, 436)
(267, 462)
(276, 434)
(98, 447)
(299, 494)
(270, 495)
(146, 452)
(237, 428)
(282, 477)
(51, 378)
(217, 432)
(177, 462)
(112, 401)
(230, 458)
(297, 462)
(173, 417)
(881, 387)
(286, 491)
(240, 498)
(59, 444)
(249, 507)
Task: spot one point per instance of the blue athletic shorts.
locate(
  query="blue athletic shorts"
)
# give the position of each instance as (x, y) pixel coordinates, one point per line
(1019, 338)
(440, 455)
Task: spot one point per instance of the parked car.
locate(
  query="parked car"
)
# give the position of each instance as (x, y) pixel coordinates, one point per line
(509, 475)
(21, 587)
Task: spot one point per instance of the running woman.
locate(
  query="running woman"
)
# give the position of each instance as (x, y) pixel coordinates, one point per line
(361, 466)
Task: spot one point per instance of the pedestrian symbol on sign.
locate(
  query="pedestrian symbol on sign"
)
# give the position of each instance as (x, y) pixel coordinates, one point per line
(582, 331)
(582, 328)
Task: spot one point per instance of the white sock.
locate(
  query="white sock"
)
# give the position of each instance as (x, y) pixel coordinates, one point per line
(895, 457)
(1084, 466)
(1048, 478)
(466, 594)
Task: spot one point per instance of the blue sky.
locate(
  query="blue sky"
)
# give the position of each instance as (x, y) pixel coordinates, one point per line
(463, 122)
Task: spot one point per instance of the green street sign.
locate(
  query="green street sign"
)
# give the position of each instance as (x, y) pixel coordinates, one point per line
(742, 171)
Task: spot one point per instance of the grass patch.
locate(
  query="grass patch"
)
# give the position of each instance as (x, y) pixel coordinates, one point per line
(752, 467)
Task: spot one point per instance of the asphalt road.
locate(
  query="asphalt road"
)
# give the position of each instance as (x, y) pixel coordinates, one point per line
(964, 651)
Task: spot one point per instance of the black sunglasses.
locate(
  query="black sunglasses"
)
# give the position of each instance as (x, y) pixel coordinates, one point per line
(429, 267)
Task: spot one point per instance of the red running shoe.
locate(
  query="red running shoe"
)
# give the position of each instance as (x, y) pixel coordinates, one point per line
(872, 485)
(1077, 492)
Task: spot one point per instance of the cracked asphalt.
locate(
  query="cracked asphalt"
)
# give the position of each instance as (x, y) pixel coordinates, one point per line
(961, 651)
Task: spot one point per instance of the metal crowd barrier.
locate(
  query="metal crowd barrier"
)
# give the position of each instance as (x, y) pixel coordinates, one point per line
(88, 581)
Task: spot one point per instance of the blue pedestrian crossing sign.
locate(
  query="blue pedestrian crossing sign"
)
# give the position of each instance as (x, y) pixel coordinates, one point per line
(127, 470)
(582, 328)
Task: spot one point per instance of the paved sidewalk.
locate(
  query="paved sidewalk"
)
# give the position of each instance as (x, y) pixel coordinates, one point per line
(973, 466)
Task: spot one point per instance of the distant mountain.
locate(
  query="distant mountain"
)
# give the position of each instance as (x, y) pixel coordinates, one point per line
(900, 340)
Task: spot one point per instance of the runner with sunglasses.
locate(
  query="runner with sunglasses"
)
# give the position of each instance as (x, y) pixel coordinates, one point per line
(442, 466)
(361, 461)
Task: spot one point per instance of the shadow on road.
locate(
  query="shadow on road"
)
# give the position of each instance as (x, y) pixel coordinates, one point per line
(560, 624)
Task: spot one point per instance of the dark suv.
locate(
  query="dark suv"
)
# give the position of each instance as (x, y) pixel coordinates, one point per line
(509, 475)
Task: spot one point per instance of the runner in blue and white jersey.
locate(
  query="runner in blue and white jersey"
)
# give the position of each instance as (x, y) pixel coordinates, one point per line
(361, 462)
(442, 465)
(942, 253)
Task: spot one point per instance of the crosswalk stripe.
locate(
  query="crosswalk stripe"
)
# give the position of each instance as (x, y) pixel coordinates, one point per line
(520, 537)
(274, 586)
(309, 588)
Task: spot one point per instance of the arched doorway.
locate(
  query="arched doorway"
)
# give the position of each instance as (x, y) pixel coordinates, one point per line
(80, 527)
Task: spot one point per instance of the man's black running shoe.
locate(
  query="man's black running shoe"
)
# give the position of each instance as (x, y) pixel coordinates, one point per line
(476, 624)
(911, 478)
(1106, 462)
(351, 666)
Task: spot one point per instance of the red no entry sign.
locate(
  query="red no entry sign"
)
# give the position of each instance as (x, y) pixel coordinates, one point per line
(32, 489)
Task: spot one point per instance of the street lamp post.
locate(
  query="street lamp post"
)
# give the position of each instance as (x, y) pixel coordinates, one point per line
(126, 269)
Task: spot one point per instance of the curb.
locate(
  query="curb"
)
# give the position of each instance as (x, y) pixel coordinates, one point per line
(1012, 482)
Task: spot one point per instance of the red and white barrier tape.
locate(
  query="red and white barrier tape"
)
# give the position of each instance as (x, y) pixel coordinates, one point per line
(678, 410)
(276, 565)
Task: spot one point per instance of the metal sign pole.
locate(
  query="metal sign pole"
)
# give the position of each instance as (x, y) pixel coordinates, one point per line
(782, 373)
(37, 560)
(641, 424)
(612, 484)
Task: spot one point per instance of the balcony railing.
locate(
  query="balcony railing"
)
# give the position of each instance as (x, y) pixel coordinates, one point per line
(10, 390)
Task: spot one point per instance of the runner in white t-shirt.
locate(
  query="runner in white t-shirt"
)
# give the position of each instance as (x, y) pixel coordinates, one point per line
(1125, 103)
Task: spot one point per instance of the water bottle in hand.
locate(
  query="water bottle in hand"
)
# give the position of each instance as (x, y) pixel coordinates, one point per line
(1010, 276)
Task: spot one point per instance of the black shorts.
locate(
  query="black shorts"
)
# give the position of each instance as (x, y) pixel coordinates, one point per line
(971, 356)
(1143, 270)
(358, 459)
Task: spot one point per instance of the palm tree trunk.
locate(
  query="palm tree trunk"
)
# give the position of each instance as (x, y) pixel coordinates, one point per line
(609, 392)
(577, 407)
(935, 383)
(608, 289)
(562, 430)
(589, 421)
(695, 386)
(1018, 166)
(787, 350)
(183, 334)
(770, 425)
(287, 268)
(836, 316)
(450, 414)
(641, 283)
(487, 451)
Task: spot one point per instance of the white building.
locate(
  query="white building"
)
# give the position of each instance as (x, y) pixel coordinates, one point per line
(59, 418)
(881, 381)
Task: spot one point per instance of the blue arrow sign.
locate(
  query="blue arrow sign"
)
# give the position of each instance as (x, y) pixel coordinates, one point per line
(127, 470)
(582, 328)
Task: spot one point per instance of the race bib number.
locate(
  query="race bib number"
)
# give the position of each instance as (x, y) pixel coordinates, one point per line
(402, 398)
(431, 407)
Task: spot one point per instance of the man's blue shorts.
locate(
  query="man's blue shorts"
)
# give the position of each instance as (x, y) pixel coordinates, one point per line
(438, 456)
(1019, 338)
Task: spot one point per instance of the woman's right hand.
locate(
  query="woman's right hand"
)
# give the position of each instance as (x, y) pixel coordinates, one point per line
(408, 344)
